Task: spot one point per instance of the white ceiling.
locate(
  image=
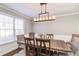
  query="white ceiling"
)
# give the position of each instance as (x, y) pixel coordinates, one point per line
(32, 9)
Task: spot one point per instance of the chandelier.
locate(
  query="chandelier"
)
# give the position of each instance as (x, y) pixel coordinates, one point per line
(44, 15)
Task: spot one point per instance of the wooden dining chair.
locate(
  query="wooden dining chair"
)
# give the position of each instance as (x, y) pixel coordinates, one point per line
(30, 46)
(42, 36)
(43, 47)
(50, 36)
(74, 44)
(20, 40)
(31, 34)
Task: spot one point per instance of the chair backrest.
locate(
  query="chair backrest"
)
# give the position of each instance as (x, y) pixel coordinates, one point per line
(31, 34)
(43, 44)
(20, 39)
(42, 36)
(50, 36)
(75, 40)
(29, 41)
(29, 44)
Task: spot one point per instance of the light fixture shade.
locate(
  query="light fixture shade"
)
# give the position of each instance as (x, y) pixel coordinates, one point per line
(46, 18)
(35, 19)
(50, 17)
(53, 17)
(40, 18)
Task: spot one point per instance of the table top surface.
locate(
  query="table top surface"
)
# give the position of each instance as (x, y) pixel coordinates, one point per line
(60, 45)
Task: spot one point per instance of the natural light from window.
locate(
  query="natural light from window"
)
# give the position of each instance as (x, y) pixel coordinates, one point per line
(10, 27)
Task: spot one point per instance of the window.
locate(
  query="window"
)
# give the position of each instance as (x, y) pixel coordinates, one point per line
(6, 28)
(19, 26)
(9, 27)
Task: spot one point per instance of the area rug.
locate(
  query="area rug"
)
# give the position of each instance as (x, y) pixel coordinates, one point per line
(11, 53)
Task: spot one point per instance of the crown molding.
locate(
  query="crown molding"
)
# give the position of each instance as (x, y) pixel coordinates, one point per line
(68, 14)
(13, 12)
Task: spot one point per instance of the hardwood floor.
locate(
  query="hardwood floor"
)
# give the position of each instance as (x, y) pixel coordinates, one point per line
(4, 49)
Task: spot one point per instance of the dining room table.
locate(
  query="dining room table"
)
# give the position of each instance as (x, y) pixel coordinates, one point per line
(57, 45)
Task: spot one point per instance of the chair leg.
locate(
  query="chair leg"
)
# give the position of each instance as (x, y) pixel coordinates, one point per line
(18, 45)
(36, 51)
(55, 53)
(26, 50)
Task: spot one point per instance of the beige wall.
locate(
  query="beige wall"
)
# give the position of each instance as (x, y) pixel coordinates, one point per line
(28, 25)
(61, 27)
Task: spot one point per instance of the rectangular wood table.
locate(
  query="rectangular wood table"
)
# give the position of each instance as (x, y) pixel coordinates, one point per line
(58, 46)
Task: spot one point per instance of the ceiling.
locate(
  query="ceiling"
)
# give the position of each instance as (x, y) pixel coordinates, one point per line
(32, 9)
